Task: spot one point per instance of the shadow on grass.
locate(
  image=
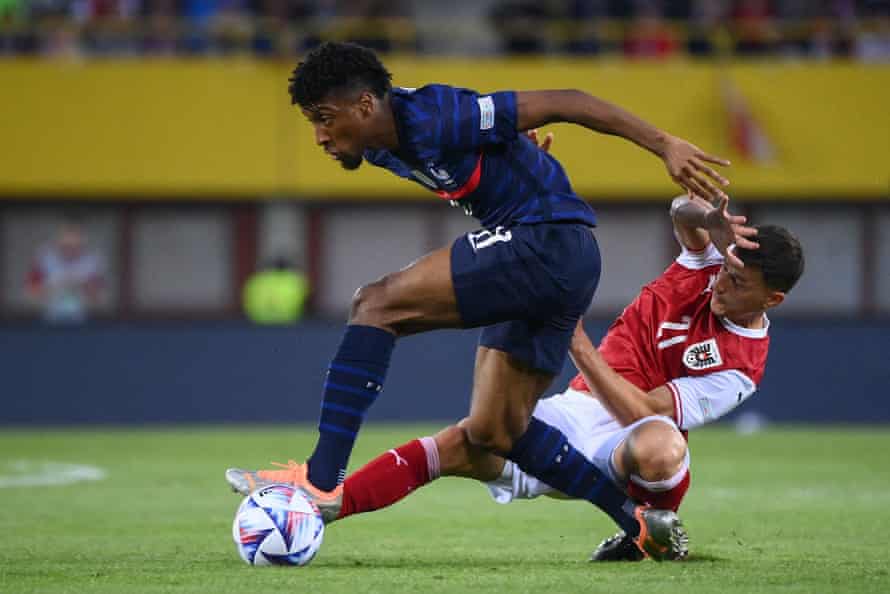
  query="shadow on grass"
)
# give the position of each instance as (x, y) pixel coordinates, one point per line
(704, 558)
(491, 563)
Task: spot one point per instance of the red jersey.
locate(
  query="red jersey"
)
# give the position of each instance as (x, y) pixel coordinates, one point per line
(669, 332)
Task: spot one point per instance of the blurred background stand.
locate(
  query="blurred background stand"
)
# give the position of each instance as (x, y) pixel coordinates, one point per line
(164, 128)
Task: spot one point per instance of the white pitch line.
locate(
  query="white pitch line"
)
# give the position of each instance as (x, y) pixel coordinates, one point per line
(29, 473)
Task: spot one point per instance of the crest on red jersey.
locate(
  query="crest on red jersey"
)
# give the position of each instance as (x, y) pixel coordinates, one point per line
(702, 355)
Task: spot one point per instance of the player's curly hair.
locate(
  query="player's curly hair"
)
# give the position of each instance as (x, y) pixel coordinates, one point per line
(334, 67)
(779, 257)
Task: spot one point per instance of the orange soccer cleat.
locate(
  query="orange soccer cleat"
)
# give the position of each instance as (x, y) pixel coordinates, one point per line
(246, 481)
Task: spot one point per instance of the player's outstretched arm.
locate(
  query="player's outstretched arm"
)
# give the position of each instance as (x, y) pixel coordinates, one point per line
(698, 223)
(691, 401)
(626, 402)
(685, 162)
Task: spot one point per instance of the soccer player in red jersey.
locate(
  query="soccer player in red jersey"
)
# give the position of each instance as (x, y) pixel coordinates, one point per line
(690, 348)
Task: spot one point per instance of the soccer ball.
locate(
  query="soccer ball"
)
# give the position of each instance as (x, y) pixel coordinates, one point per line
(277, 525)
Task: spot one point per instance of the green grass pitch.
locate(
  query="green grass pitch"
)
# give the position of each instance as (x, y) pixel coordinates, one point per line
(783, 510)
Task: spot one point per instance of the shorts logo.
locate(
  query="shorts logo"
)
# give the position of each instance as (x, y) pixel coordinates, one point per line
(702, 355)
(485, 238)
(486, 113)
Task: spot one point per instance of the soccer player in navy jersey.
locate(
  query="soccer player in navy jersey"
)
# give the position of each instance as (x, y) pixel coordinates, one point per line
(525, 278)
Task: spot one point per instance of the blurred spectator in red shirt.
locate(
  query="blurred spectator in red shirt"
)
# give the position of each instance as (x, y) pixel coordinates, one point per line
(754, 27)
(66, 277)
(649, 36)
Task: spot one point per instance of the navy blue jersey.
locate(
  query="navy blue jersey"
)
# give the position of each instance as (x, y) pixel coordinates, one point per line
(466, 148)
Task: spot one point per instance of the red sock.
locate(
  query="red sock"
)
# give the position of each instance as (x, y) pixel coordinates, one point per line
(390, 477)
(669, 499)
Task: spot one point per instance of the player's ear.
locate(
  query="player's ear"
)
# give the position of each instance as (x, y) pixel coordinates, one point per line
(773, 299)
(367, 103)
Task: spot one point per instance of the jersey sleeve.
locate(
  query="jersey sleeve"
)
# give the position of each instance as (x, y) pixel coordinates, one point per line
(696, 260)
(468, 120)
(702, 399)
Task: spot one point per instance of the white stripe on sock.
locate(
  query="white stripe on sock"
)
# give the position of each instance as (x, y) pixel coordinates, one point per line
(432, 457)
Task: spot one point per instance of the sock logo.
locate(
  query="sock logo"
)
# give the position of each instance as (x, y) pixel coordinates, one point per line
(399, 460)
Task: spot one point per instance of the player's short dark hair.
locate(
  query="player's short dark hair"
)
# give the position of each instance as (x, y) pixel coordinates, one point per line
(779, 257)
(334, 67)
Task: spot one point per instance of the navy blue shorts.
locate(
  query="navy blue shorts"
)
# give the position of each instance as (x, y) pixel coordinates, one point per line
(528, 285)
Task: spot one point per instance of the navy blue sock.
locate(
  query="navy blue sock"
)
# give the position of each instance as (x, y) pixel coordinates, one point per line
(544, 452)
(355, 378)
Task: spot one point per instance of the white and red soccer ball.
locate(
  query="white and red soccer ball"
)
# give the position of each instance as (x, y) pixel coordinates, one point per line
(277, 525)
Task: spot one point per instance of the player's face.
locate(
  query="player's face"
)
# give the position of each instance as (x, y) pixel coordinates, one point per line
(339, 124)
(739, 293)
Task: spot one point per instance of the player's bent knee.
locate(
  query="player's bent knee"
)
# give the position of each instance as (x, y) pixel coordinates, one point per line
(459, 457)
(452, 444)
(483, 434)
(369, 304)
(658, 449)
(382, 304)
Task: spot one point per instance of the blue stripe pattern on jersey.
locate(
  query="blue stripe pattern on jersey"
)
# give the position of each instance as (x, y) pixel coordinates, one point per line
(442, 132)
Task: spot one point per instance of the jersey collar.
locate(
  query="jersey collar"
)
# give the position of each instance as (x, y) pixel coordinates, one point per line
(746, 332)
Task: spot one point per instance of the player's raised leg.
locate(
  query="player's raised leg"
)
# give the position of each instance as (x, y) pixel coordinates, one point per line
(398, 472)
(419, 297)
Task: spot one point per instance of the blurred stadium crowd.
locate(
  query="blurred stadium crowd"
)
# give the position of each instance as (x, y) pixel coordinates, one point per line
(813, 29)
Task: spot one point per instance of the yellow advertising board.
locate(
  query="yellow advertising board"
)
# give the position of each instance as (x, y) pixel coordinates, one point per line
(225, 129)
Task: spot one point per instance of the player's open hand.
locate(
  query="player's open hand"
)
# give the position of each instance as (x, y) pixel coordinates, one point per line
(727, 230)
(545, 145)
(685, 163)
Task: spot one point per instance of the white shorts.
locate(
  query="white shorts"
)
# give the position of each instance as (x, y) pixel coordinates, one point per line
(588, 426)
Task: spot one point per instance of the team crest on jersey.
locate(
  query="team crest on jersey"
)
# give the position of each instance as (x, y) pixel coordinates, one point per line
(702, 355)
(434, 177)
(441, 174)
(422, 177)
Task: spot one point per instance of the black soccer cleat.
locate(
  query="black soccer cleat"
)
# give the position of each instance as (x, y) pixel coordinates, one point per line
(619, 547)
